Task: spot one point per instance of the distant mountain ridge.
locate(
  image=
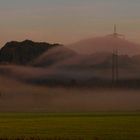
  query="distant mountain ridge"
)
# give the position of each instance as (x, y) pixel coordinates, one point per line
(24, 52)
(43, 54)
(53, 64)
(105, 44)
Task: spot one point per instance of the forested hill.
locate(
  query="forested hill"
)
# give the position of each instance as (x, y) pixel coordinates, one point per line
(24, 52)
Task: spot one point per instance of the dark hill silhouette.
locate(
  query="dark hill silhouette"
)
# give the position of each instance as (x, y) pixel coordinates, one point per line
(23, 53)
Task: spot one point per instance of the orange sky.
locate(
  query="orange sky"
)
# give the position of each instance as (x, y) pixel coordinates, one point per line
(65, 21)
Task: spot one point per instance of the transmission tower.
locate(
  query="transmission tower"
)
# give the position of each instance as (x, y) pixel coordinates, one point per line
(115, 56)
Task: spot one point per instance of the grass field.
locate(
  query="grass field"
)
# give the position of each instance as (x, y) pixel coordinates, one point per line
(92, 126)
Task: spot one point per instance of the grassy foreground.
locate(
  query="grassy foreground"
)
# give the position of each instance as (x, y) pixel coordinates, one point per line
(68, 126)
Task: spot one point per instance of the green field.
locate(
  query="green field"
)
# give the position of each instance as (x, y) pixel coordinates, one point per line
(93, 126)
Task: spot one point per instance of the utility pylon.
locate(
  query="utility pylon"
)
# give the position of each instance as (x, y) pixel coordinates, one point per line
(115, 56)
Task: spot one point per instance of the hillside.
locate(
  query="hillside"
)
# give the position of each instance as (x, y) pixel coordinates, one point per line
(54, 56)
(23, 53)
(54, 64)
(105, 44)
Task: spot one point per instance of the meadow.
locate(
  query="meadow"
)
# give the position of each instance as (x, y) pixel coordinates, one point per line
(71, 126)
(116, 113)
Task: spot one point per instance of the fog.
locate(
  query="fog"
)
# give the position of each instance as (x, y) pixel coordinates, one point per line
(54, 56)
(19, 97)
(26, 88)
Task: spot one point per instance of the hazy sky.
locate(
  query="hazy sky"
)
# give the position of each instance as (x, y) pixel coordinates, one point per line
(67, 21)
